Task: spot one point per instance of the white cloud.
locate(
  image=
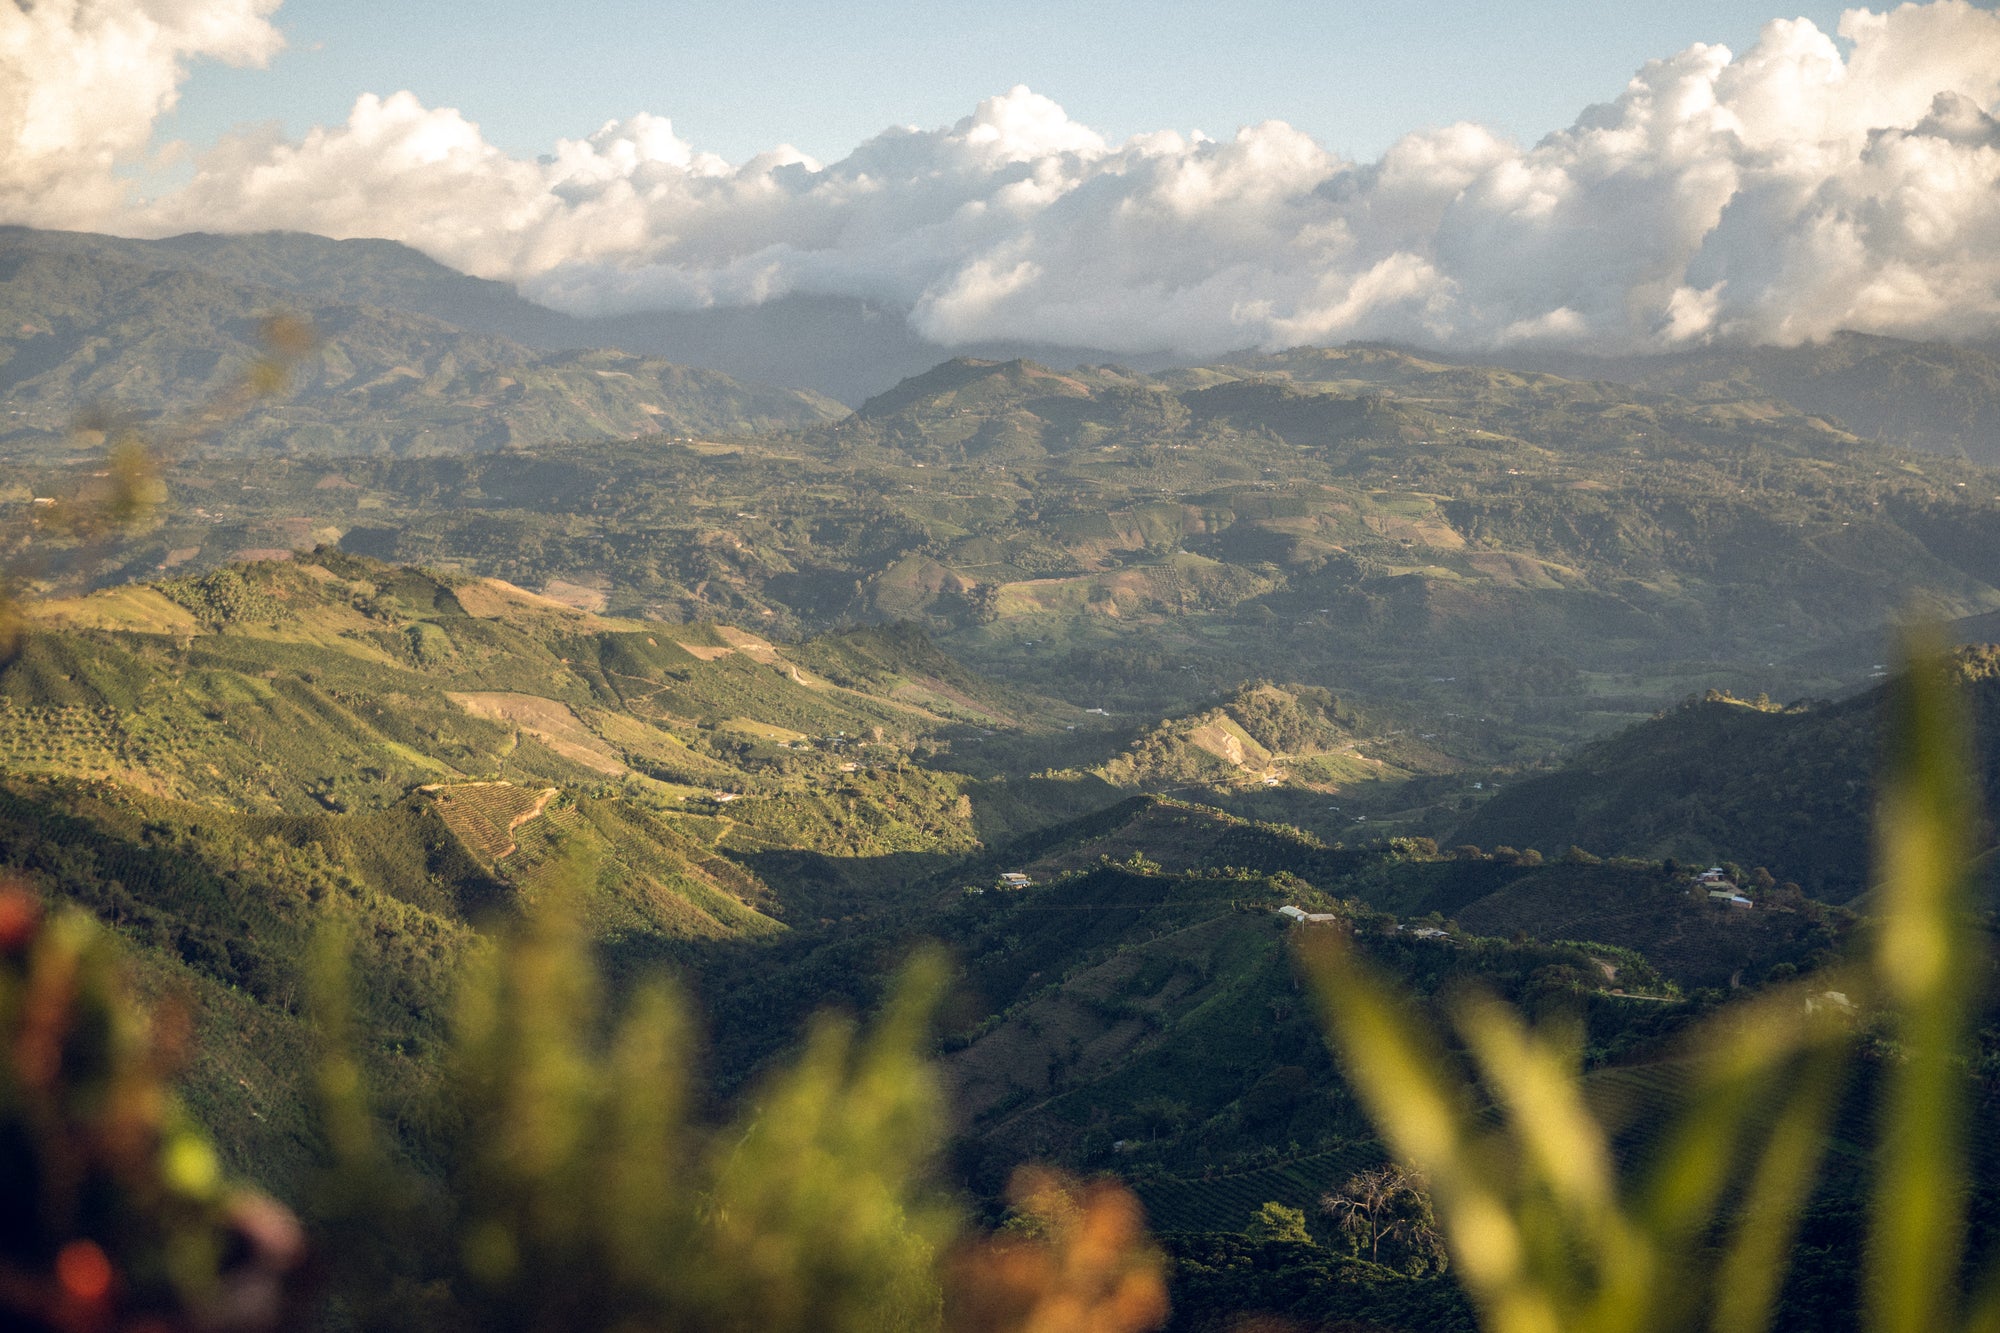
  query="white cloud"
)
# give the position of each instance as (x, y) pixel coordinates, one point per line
(1811, 183)
(82, 81)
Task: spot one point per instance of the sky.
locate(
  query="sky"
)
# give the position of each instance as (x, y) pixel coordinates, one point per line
(1131, 179)
(737, 79)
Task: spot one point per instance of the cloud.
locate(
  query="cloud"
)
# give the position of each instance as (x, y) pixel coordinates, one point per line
(1814, 182)
(82, 82)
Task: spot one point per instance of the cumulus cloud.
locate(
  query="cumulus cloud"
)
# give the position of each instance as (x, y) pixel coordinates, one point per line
(1814, 182)
(82, 82)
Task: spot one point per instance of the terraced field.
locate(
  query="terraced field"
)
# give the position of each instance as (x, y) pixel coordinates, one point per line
(485, 815)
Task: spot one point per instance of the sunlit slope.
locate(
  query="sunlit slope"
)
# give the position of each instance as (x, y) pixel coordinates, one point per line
(221, 909)
(335, 684)
(1296, 737)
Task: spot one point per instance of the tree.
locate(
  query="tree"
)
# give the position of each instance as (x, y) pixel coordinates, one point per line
(1274, 1221)
(1386, 1207)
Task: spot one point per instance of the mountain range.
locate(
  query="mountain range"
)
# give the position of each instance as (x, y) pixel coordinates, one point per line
(1928, 396)
(90, 324)
(1085, 670)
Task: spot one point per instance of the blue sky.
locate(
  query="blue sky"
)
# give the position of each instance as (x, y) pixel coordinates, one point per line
(736, 79)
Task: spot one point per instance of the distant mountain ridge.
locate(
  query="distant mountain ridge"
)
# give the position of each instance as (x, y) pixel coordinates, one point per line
(1565, 553)
(842, 347)
(1932, 396)
(1938, 397)
(149, 327)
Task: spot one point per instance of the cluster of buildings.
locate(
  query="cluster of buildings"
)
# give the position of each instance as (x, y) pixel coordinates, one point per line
(1721, 889)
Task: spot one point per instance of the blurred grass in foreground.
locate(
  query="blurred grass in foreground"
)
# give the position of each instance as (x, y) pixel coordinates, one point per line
(583, 1195)
(1544, 1233)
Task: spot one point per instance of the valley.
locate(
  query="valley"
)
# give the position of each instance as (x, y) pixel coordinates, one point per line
(1117, 684)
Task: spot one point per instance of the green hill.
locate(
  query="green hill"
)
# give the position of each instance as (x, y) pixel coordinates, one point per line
(220, 765)
(331, 683)
(1134, 1007)
(1144, 1021)
(1786, 788)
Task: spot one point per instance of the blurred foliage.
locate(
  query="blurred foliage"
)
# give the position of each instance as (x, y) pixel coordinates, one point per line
(1543, 1231)
(582, 1190)
(582, 1194)
(113, 1210)
(1073, 1258)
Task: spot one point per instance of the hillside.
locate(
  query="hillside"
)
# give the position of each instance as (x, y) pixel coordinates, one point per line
(1134, 1008)
(1938, 397)
(1561, 557)
(1790, 788)
(1262, 736)
(220, 764)
(1138, 1012)
(89, 323)
(332, 683)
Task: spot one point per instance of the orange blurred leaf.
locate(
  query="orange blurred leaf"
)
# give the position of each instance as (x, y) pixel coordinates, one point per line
(1091, 1268)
